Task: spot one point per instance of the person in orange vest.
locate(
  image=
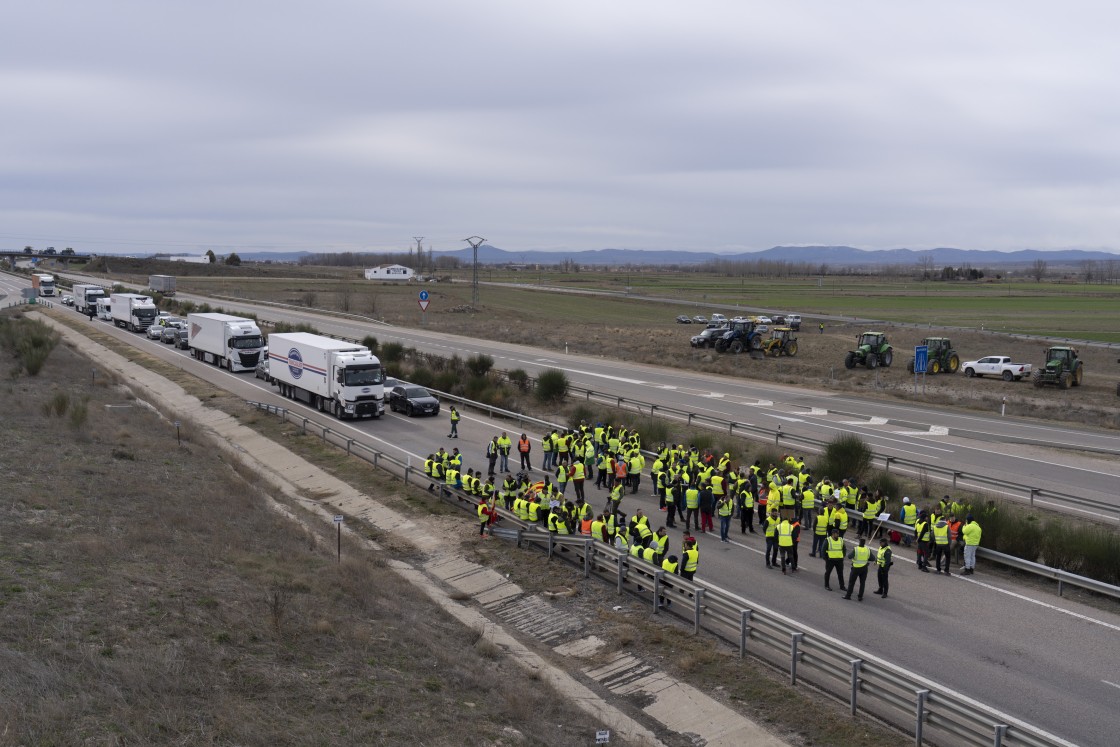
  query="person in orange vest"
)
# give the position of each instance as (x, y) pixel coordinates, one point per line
(524, 446)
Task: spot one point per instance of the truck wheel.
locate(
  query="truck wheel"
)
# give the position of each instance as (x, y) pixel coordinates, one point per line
(1008, 376)
(969, 372)
(872, 360)
(1065, 380)
(850, 360)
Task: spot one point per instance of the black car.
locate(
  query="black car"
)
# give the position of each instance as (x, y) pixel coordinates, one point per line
(413, 400)
(682, 319)
(707, 338)
(183, 341)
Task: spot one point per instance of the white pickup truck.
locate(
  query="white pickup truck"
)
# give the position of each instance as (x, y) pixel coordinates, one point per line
(997, 365)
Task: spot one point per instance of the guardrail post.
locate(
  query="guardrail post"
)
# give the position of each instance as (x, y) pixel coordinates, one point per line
(744, 632)
(349, 443)
(621, 560)
(690, 418)
(955, 476)
(794, 655)
(731, 428)
(657, 576)
(921, 716)
(696, 612)
(855, 664)
(1034, 492)
(303, 428)
(778, 435)
(551, 543)
(1059, 585)
(520, 531)
(587, 550)
(1001, 730)
(887, 463)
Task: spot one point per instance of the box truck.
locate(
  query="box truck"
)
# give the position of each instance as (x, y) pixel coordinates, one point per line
(43, 283)
(132, 311)
(335, 376)
(104, 308)
(164, 284)
(231, 342)
(85, 297)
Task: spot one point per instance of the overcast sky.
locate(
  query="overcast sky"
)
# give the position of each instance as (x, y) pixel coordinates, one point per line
(717, 126)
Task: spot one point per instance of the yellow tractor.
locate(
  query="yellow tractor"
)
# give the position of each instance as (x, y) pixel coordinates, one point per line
(782, 341)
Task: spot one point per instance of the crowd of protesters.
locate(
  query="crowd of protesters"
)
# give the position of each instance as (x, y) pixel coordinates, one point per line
(693, 487)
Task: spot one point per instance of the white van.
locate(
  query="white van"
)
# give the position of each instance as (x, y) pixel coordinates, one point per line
(717, 318)
(793, 321)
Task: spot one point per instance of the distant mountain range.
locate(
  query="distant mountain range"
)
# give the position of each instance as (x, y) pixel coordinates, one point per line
(833, 256)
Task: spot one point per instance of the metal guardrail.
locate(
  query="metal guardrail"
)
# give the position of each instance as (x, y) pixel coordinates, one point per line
(1026, 493)
(916, 704)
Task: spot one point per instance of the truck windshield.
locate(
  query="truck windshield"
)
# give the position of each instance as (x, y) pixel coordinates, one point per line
(246, 342)
(146, 313)
(361, 375)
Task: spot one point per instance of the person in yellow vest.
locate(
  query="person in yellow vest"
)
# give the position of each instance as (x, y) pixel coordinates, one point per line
(672, 491)
(922, 537)
(839, 518)
(450, 481)
(770, 532)
(484, 514)
(505, 444)
(808, 507)
(785, 542)
(692, 508)
(546, 451)
(536, 515)
(940, 532)
(577, 476)
(672, 567)
(884, 559)
(971, 532)
(861, 556)
(454, 423)
(746, 507)
(820, 532)
(908, 515)
(834, 558)
(584, 516)
(724, 508)
(691, 561)
(562, 477)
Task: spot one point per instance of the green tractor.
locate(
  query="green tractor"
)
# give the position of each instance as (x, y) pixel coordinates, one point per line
(1063, 368)
(872, 351)
(942, 357)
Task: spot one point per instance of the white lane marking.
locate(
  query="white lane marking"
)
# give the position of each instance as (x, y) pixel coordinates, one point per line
(667, 386)
(1111, 683)
(818, 411)
(791, 420)
(715, 395)
(1039, 602)
(934, 430)
(590, 373)
(762, 403)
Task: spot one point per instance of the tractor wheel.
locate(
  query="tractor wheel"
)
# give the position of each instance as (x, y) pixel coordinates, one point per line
(888, 358)
(791, 348)
(1077, 375)
(1038, 379)
(872, 360)
(850, 360)
(1065, 380)
(935, 367)
(954, 364)
(720, 346)
(736, 346)
(1008, 376)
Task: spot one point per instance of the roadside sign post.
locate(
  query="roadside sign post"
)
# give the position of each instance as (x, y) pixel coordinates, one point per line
(921, 362)
(177, 439)
(424, 301)
(338, 523)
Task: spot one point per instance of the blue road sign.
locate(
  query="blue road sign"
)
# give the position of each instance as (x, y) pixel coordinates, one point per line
(423, 295)
(921, 358)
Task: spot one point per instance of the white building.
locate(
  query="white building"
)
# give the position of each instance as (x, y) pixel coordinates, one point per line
(203, 260)
(389, 272)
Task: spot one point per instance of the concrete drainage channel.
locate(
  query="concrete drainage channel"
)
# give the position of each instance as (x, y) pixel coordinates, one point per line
(673, 705)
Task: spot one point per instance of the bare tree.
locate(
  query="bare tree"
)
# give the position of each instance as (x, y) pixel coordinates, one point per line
(1038, 270)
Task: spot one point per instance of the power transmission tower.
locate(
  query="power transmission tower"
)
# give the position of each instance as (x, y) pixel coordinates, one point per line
(475, 242)
(419, 253)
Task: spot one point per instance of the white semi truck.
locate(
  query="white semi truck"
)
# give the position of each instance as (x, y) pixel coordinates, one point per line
(104, 308)
(335, 376)
(164, 284)
(231, 342)
(133, 311)
(85, 297)
(43, 282)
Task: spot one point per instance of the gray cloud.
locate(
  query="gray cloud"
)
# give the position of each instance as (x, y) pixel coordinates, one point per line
(712, 125)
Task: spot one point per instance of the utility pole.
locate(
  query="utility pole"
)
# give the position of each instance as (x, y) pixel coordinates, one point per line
(475, 242)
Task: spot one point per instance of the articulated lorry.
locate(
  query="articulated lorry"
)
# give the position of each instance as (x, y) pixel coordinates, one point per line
(335, 376)
(85, 297)
(230, 342)
(164, 284)
(133, 311)
(43, 283)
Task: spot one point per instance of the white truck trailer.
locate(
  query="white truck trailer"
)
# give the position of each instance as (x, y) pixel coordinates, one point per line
(335, 376)
(132, 311)
(43, 282)
(231, 342)
(164, 284)
(85, 297)
(104, 308)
